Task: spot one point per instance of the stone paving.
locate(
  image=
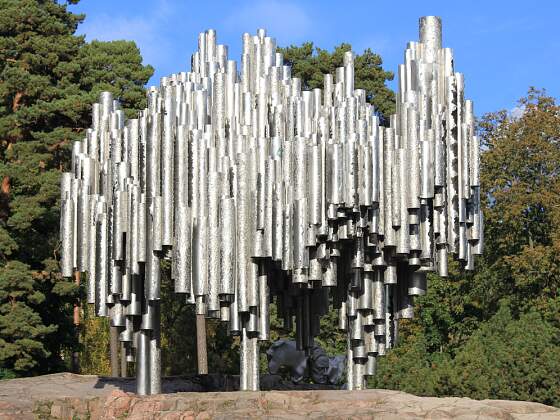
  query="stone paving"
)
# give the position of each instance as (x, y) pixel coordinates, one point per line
(69, 396)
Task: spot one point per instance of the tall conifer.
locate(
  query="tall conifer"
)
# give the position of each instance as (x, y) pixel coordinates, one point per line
(49, 77)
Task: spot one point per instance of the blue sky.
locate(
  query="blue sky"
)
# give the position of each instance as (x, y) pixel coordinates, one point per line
(502, 46)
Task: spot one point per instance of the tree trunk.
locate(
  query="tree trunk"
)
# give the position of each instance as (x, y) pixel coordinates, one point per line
(124, 364)
(201, 351)
(16, 101)
(114, 348)
(76, 354)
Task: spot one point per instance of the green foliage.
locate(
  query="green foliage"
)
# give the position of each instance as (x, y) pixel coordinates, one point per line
(496, 333)
(21, 328)
(48, 79)
(311, 64)
(94, 340)
(506, 358)
(412, 368)
(330, 338)
(520, 174)
(116, 67)
(178, 330)
(178, 336)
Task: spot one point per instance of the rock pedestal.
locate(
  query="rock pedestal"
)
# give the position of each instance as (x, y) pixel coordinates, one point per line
(69, 396)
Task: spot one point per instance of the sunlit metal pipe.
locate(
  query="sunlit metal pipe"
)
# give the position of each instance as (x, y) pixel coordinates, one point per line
(258, 188)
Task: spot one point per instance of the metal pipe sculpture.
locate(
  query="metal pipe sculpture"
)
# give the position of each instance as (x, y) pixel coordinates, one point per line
(259, 191)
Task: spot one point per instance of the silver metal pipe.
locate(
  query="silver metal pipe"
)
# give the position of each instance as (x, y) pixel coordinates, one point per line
(257, 188)
(143, 363)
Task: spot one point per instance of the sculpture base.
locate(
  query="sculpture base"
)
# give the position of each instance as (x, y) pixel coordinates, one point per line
(67, 396)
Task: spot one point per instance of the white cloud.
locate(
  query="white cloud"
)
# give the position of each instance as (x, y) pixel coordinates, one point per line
(145, 31)
(517, 112)
(285, 21)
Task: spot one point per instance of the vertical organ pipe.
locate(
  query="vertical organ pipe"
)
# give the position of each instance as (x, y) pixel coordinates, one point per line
(259, 191)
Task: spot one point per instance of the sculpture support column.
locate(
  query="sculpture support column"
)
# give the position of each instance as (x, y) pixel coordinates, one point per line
(155, 351)
(201, 346)
(114, 351)
(143, 363)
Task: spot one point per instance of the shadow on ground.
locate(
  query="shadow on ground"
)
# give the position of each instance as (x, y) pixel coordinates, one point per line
(210, 383)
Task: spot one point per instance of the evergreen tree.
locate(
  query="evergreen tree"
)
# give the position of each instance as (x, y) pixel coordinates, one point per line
(114, 66)
(49, 78)
(311, 64)
(511, 359)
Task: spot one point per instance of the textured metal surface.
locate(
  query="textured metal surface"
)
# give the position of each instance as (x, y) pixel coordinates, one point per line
(259, 191)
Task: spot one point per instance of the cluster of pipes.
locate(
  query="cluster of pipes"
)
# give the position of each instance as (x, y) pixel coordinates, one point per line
(260, 191)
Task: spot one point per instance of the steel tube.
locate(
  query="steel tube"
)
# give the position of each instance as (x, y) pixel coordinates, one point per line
(258, 189)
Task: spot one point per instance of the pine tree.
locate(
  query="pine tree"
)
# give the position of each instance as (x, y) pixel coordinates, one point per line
(311, 64)
(49, 78)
